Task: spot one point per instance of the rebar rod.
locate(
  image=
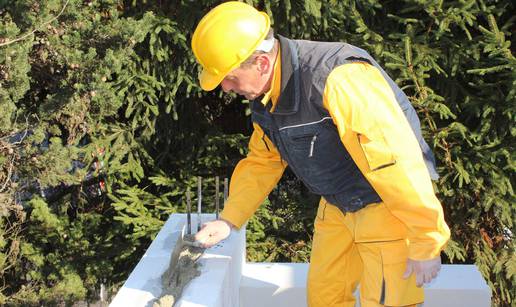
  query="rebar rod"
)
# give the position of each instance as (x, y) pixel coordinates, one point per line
(226, 183)
(188, 212)
(199, 202)
(217, 197)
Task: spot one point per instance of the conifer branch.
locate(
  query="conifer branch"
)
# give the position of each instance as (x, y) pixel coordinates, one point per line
(9, 173)
(36, 29)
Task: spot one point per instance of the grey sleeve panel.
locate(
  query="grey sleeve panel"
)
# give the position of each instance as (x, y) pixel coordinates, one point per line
(410, 114)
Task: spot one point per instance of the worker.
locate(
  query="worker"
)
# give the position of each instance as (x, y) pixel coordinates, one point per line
(329, 112)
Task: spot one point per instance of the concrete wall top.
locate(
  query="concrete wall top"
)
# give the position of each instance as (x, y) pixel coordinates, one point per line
(221, 269)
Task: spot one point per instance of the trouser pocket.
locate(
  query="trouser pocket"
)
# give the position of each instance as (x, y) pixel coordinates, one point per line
(382, 282)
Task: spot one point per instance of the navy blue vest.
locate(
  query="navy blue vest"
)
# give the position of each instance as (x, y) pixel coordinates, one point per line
(304, 133)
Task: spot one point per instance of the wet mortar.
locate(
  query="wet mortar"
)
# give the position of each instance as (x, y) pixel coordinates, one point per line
(182, 269)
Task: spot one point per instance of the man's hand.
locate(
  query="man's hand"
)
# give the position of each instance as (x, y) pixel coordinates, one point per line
(213, 232)
(425, 270)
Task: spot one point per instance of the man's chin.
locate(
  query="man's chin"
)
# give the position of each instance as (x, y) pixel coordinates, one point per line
(250, 96)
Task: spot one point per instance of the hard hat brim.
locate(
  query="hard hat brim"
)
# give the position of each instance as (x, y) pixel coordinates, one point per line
(209, 81)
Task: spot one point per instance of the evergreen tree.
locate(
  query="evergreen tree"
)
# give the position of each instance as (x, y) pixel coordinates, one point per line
(103, 129)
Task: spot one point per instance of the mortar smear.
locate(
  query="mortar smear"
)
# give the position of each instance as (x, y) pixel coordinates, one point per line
(182, 269)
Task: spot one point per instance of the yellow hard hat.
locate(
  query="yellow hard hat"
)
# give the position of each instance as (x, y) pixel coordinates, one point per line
(226, 37)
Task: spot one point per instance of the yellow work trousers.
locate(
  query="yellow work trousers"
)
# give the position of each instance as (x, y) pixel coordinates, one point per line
(366, 248)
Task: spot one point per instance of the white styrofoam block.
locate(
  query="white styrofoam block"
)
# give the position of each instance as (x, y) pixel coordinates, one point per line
(458, 285)
(234, 248)
(144, 283)
(208, 288)
(221, 271)
(227, 281)
(283, 275)
(284, 284)
(273, 284)
(165, 240)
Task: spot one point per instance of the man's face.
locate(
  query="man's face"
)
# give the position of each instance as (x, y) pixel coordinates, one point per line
(249, 81)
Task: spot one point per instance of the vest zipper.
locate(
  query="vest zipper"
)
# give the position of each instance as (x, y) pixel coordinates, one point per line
(312, 143)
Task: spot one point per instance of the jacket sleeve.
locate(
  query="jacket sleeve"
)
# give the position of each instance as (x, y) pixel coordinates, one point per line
(374, 130)
(253, 179)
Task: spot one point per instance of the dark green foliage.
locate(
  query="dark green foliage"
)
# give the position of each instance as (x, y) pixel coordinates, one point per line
(281, 230)
(103, 94)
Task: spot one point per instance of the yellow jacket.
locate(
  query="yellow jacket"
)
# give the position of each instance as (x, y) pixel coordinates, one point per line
(363, 108)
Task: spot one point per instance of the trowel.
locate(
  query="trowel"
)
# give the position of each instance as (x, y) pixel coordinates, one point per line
(189, 239)
(185, 243)
(186, 238)
(183, 260)
(182, 241)
(182, 269)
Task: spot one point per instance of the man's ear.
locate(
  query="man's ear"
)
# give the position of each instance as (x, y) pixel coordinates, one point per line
(264, 64)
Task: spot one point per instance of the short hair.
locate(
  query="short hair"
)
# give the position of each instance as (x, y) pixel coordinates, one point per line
(251, 59)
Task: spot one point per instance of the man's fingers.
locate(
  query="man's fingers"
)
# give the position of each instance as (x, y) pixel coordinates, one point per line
(212, 233)
(408, 270)
(419, 279)
(428, 278)
(435, 273)
(425, 270)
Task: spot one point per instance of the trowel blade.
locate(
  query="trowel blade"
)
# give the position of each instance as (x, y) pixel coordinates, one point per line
(182, 240)
(189, 239)
(174, 258)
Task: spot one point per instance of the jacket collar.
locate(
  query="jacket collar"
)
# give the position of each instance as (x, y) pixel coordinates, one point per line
(288, 102)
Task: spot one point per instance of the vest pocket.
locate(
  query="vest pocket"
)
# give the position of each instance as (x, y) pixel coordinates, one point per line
(376, 151)
(317, 156)
(303, 142)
